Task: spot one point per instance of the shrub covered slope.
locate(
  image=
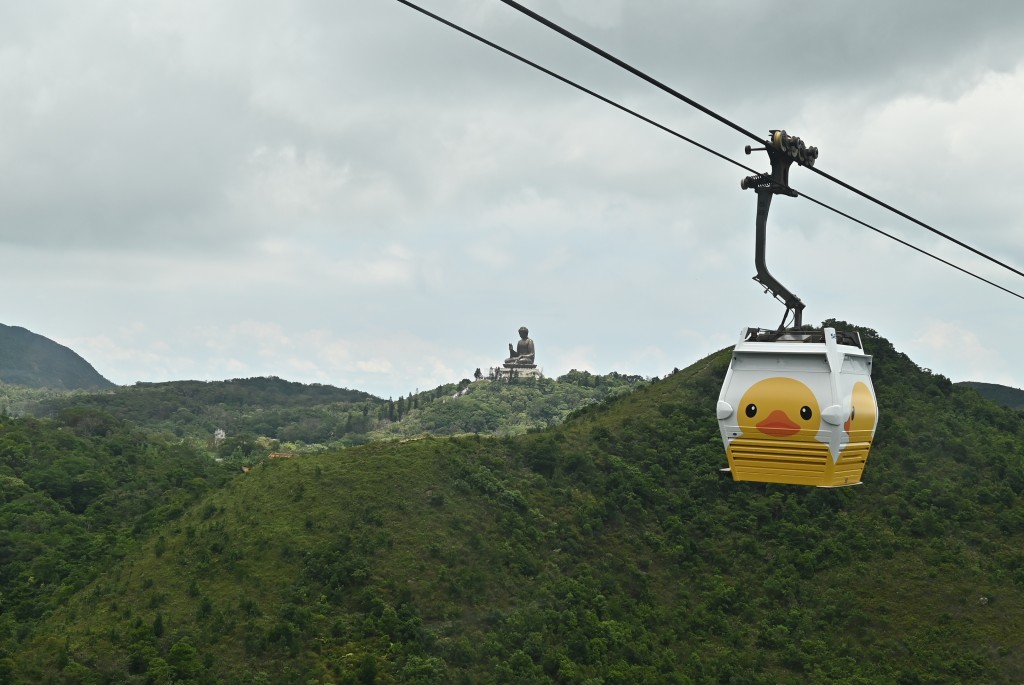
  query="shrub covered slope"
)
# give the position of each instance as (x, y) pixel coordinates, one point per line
(256, 411)
(605, 550)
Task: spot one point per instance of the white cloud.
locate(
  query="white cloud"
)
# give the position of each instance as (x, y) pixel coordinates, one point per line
(381, 366)
(957, 351)
(579, 357)
(360, 196)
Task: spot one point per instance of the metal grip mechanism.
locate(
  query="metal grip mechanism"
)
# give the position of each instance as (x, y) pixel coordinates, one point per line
(783, 149)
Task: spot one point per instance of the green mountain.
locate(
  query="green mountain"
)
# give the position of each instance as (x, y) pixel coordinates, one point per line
(29, 359)
(257, 412)
(269, 407)
(607, 549)
(76, 495)
(500, 407)
(1003, 394)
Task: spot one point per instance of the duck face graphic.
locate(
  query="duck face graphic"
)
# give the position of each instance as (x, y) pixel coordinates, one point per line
(781, 408)
(863, 415)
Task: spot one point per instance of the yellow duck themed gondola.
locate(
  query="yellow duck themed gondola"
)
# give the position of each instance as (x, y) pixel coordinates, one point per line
(797, 406)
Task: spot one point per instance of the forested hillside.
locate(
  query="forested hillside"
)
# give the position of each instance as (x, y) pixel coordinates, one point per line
(608, 549)
(20, 400)
(1004, 395)
(76, 496)
(269, 407)
(256, 412)
(503, 407)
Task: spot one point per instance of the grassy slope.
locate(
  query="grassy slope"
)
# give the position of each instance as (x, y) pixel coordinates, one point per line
(606, 550)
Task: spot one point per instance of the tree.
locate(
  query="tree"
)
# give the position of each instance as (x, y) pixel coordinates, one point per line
(184, 660)
(478, 374)
(368, 669)
(158, 625)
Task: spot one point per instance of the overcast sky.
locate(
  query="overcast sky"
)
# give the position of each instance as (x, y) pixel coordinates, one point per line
(348, 192)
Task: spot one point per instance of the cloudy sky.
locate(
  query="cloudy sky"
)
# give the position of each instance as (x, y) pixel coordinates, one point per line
(348, 192)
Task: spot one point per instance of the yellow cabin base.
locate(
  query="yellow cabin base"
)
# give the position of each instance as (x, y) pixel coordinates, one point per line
(796, 463)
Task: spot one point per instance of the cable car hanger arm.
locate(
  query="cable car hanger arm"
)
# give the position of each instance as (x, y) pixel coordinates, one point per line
(782, 150)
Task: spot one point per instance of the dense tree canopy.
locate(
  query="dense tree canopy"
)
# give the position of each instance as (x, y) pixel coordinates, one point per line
(269, 407)
(608, 549)
(1006, 396)
(77, 494)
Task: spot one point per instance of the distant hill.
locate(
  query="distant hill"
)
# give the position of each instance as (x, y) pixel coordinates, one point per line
(289, 412)
(502, 408)
(264, 406)
(31, 360)
(607, 549)
(1003, 394)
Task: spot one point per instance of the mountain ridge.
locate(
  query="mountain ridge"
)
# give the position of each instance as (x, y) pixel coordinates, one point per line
(605, 549)
(32, 360)
(1006, 395)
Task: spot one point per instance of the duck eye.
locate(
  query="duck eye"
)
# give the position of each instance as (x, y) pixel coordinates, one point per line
(806, 413)
(853, 413)
(751, 410)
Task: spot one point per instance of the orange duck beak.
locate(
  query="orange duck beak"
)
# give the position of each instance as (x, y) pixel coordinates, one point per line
(778, 425)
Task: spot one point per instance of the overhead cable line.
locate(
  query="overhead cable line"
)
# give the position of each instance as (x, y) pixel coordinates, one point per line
(574, 84)
(913, 220)
(675, 133)
(912, 247)
(633, 70)
(653, 81)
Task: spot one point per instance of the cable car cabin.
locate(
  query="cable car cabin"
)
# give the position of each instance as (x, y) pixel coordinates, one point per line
(798, 407)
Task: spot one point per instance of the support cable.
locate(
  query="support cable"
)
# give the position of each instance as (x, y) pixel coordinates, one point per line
(636, 72)
(707, 149)
(913, 220)
(631, 69)
(575, 85)
(905, 243)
